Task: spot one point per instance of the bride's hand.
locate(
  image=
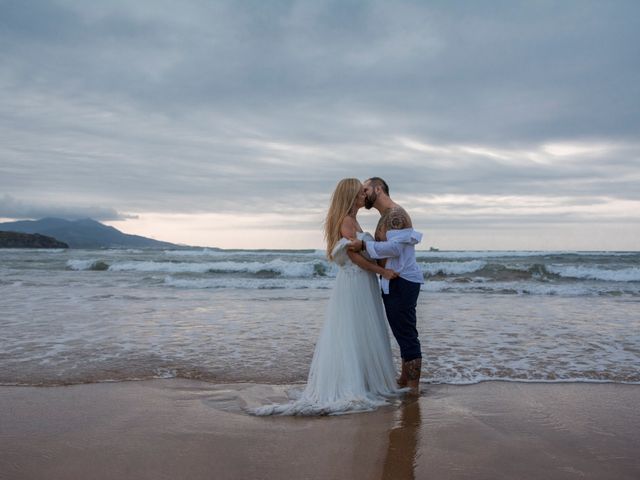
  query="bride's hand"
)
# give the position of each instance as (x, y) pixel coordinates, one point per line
(390, 274)
(355, 245)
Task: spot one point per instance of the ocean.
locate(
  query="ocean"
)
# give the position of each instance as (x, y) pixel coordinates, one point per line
(83, 316)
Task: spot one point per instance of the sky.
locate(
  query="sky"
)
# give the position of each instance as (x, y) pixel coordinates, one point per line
(497, 124)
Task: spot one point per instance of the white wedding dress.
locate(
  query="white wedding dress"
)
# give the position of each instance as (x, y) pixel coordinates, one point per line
(352, 367)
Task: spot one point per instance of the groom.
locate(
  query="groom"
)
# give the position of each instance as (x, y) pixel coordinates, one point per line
(394, 248)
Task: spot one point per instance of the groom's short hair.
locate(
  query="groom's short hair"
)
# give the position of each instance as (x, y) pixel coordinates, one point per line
(378, 182)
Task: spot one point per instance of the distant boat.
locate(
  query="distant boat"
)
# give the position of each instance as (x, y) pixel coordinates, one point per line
(434, 249)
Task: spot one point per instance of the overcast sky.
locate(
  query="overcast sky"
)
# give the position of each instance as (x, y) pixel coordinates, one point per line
(497, 124)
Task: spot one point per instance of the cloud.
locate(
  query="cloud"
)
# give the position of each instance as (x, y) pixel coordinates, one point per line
(245, 108)
(13, 208)
(464, 72)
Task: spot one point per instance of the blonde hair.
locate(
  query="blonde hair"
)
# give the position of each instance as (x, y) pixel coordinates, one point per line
(342, 201)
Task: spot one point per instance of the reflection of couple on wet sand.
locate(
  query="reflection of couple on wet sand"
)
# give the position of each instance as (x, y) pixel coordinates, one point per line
(352, 367)
(387, 445)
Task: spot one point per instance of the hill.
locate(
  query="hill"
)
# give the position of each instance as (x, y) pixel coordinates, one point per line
(28, 240)
(84, 233)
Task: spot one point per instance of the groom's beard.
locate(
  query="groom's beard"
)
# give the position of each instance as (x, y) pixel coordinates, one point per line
(369, 200)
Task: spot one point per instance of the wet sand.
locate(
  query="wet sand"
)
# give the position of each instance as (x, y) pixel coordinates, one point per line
(182, 429)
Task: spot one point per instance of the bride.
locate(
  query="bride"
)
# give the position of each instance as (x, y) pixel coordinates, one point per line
(352, 368)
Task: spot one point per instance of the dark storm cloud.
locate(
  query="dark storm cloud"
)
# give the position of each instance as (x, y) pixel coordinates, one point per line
(235, 106)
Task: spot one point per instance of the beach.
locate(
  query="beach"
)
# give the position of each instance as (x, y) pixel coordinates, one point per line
(188, 429)
(139, 364)
(176, 179)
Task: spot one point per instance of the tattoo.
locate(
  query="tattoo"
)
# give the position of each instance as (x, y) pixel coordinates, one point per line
(397, 219)
(381, 232)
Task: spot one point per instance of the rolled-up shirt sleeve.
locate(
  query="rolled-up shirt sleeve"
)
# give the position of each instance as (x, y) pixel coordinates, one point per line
(387, 249)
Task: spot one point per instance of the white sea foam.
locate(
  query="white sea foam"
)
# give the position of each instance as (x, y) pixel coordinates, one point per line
(247, 283)
(472, 378)
(452, 268)
(194, 253)
(278, 266)
(596, 273)
(454, 254)
(480, 285)
(207, 252)
(78, 264)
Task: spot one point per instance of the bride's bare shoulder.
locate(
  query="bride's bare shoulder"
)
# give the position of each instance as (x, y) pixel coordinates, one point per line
(349, 227)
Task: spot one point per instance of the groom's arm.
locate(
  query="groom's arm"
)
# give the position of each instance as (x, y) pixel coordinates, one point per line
(377, 250)
(395, 218)
(380, 250)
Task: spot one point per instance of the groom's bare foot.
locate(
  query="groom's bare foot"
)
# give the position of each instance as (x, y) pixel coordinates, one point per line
(413, 370)
(402, 379)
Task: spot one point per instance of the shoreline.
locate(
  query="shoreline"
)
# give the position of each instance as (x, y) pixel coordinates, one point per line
(177, 428)
(425, 384)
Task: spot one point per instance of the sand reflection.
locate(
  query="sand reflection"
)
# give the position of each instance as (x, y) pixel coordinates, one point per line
(404, 436)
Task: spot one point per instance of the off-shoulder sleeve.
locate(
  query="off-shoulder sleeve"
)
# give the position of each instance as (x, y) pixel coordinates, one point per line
(339, 252)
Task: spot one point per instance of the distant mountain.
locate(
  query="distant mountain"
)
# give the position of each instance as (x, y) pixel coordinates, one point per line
(85, 233)
(28, 240)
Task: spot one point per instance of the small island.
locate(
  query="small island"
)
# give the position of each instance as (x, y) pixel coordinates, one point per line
(29, 240)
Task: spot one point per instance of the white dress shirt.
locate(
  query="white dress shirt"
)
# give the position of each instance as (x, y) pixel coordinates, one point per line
(400, 251)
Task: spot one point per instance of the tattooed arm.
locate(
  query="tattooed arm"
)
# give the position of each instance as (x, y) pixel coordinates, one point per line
(397, 219)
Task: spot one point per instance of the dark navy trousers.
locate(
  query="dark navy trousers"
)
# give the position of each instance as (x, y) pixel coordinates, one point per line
(400, 305)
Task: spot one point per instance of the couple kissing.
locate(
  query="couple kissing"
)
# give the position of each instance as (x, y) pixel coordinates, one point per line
(352, 367)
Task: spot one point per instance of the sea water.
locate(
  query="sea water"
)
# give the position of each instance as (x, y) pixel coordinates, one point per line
(78, 316)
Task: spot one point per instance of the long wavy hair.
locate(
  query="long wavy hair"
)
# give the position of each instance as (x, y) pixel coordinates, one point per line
(342, 201)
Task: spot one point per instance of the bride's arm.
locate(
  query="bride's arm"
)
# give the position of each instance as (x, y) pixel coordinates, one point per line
(371, 266)
(377, 250)
(349, 230)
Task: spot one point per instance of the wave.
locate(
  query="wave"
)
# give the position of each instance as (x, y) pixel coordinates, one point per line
(463, 254)
(207, 252)
(194, 253)
(217, 379)
(485, 270)
(596, 273)
(531, 271)
(275, 267)
(519, 276)
(452, 268)
(96, 265)
(480, 378)
(481, 285)
(247, 283)
(461, 375)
